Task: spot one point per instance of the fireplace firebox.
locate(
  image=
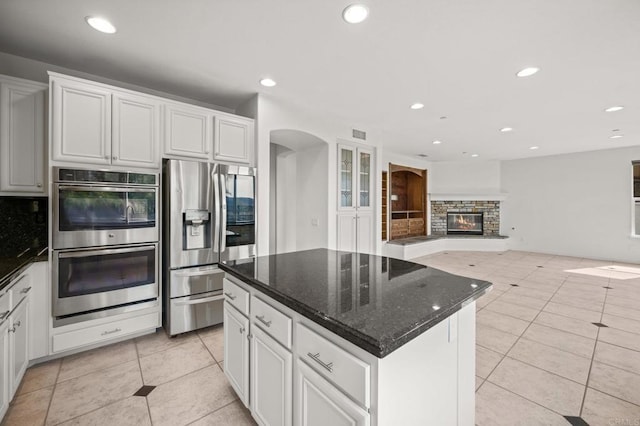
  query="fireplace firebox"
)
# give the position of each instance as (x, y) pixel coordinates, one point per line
(465, 223)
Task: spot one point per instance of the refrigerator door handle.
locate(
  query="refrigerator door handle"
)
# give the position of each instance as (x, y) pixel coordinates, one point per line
(223, 218)
(216, 208)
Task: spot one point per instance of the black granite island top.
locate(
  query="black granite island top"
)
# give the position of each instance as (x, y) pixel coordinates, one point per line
(12, 266)
(377, 303)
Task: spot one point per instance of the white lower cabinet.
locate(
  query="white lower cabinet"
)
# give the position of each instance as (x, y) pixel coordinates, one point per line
(271, 385)
(319, 403)
(18, 344)
(236, 351)
(4, 368)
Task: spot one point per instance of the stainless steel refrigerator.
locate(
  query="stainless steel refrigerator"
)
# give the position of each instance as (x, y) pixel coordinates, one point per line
(209, 216)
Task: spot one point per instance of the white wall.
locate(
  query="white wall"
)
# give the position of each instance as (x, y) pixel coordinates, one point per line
(469, 177)
(275, 114)
(312, 195)
(575, 204)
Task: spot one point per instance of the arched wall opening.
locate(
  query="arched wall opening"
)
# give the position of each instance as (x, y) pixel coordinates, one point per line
(298, 191)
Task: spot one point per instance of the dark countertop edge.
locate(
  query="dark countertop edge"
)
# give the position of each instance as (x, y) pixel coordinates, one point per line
(380, 350)
(41, 255)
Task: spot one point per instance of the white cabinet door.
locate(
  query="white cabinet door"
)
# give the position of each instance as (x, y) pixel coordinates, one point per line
(346, 232)
(365, 232)
(346, 177)
(187, 131)
(364, 181)
(81, 122)
(4, 368)
(21, 136)
(319, 403)
(236, 351)
(271, 375)
(233, 139)
(136, 131)
(39, 310)
(18, 344)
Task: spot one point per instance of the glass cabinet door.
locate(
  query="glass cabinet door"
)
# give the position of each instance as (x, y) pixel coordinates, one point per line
(364, 183)
(345, 167)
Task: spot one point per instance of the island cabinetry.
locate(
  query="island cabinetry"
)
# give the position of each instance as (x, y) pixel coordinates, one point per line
(21, 135)
(97, 124)
(260, 366)
(233, 139)
(188, 131)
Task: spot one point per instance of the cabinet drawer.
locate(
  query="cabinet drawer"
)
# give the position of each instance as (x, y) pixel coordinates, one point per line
(349, 373)
(19, 290)
(5, 309)
(274, 322)
(236, 296)
(104, 332)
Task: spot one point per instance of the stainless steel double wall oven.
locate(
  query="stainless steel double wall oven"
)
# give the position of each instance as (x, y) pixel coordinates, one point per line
(106, 243)
(209, 217)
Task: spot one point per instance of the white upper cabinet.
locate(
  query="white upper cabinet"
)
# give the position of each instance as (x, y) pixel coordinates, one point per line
(136, 131)
(92, 123)
(187, 131)
(233, 141)
(22, 135)
(81, 122)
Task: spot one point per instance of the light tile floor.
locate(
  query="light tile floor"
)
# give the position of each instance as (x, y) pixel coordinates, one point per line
(540, 358)
(558, 338)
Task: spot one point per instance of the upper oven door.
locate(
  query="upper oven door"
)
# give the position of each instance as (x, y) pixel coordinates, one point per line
(88, 216)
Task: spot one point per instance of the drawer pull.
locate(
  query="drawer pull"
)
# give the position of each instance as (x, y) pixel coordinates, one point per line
(25, 290)
(316, 358)
(262, 320)
(116, 330)
(230, 295)
(12, 330)
(4, 315)
(241, 330)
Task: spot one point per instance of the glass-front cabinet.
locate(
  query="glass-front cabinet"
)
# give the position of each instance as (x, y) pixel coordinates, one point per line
(355, 177)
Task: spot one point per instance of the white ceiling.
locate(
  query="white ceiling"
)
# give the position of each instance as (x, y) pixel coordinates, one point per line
(458, 57)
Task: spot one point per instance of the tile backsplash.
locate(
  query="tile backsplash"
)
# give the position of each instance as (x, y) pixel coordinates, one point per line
(23, 224)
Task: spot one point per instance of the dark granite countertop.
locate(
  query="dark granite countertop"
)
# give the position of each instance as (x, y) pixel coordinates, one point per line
(376, 303)
(11, 266)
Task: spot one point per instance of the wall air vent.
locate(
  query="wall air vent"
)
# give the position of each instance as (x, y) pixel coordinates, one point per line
(359, 134)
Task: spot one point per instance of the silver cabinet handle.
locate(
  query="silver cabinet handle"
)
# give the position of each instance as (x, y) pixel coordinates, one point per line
(316, 358)
(230, 295)
(25, 290)
(104, 333)
(4, 315)
(39, 185)
(17, 324)
(241, 330)
(262, 320)
(114, 157)
(12, 330)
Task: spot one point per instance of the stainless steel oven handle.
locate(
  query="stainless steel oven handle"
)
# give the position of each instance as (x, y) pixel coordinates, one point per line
(199, 273)
(99, 188)
(200, 300)
(64, 255)
(217, 207)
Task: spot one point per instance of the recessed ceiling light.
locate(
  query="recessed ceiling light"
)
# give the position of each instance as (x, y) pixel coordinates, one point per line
(614, 108)
(616, 136)
(474, 155)
(437, 142)
(267, 82)
(100, 24)
(534, 147)
(355, 13)
(529, 71)
(417, 105)
(506, 129)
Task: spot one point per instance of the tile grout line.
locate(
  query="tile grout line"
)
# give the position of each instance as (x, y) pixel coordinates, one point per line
(214, 411)
(146, 399)
(207, 348)
(584, 395)
(53, 391)
(525, 398)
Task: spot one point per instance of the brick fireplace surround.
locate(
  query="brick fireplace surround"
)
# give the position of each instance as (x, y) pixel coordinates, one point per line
(491, 219)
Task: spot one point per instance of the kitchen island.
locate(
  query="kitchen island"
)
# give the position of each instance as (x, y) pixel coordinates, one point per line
(325, 337)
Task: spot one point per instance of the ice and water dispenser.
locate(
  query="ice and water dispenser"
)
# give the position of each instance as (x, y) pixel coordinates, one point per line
(196, 229)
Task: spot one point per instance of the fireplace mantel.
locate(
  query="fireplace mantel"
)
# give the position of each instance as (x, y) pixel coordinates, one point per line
(498, 196)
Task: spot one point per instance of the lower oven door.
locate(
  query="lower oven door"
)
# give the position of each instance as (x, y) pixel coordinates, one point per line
(97, 279)
(194, 312)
